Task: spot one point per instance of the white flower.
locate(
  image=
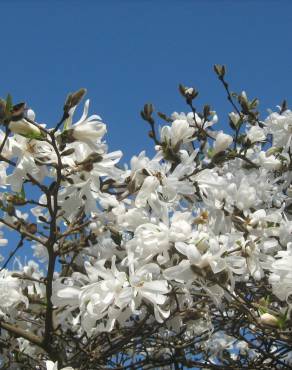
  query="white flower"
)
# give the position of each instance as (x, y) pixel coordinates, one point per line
(54, 366)
(281, 274)
(103, 294)
(269, 162)
(256, 134)
(27, 152)
(149, 240)
(89, 130)
(196, 121)
(181, 228)
(10, 293)
(110, 294)
(145, 287)
(149, 186)
(246, 196)
(179, 132)
(222, 142)
(160, 241)
(280, 126)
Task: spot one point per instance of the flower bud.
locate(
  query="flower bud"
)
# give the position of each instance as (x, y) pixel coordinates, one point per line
(234, 118)
(25, 128)
(222, 142)
(189, 90)
(243, 96)
(31, 228)
(273, 150)
(74, 99)
(30, 114)
(2, 109)
(220, 70)
(268, 320)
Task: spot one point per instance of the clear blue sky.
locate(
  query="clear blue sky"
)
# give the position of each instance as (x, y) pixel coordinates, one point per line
(127, 53)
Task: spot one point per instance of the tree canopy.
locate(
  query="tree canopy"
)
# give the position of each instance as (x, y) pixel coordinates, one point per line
(182, 260)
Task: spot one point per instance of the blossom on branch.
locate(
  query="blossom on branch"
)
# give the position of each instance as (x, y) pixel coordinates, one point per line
(181, 259)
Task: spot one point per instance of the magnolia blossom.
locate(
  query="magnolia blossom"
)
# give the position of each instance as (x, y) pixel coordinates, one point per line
(29, 153)
(10, 293)
(206, 254)
(195, 120)
(222, 142)
(149, 256)
(270, 162)
(54, 366)
(280, 126)
(109, 288)
(255, 133)
(281, 277)
(179, 132)
(145, 287)
(88, 129)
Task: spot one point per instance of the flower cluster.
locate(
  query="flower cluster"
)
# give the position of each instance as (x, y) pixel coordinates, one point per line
(168, 242)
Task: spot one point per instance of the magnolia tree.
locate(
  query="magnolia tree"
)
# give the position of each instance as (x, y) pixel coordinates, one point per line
(183, 260)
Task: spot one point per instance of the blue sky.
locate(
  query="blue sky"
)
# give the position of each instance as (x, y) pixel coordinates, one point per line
(127, 53)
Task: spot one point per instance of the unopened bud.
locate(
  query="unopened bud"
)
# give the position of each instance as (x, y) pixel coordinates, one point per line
(188, 92)
(273, 150)
(25, 128)
(31, 228)
(268, 320)
(43, 219)
(10, 209)
(234, 118)
(222, 142)
(150, 134)
(2, 109)
(148, 109)
(68, 152)
(30, 114)
(16, 200)
(220, 70)
(74, 99)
